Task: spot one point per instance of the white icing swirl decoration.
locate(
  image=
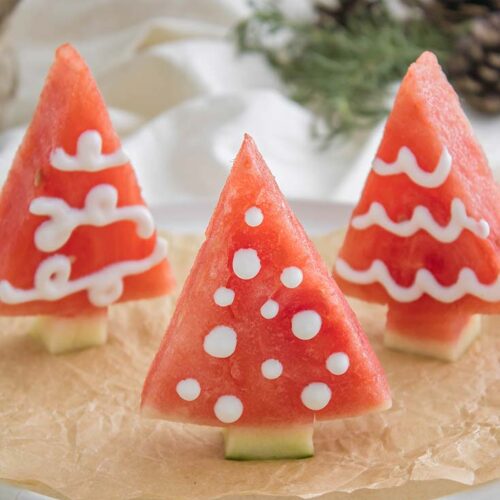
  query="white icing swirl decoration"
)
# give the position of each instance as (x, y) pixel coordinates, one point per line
(406, 163)
(89, 156)
(424, 283)
(100, 209)
(422, 219)
(52, 279)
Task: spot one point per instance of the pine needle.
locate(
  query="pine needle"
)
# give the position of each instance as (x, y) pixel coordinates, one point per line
(342, 72)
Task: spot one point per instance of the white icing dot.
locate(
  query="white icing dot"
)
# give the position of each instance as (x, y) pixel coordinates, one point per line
(271, 369)
(220, 342)
(188, 389)
(291, 277)
(223, 296)
(246, 263)
(316, 396)
(306, 324)
(228, 409)
(254, 217)
(270, 309)
(337, 363)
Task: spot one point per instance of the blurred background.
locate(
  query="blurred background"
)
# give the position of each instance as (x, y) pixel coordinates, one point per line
(311, 81)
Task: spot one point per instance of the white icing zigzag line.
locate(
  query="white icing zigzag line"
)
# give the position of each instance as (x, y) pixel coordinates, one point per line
(406, 163)
(422, 219)
(100, 209)
(89, 157)
(467, 283)
(52, 280)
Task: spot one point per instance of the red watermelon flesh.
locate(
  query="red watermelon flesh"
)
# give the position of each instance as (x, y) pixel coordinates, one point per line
(425, 118)
(280, 242)
(70, 104)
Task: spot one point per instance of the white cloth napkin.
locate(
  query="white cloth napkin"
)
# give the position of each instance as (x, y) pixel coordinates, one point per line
(182, 98)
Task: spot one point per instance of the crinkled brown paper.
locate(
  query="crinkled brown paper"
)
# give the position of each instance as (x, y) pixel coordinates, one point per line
(70, 426)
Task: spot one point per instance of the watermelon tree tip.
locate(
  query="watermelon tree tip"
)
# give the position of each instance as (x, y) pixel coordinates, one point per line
(68, 54)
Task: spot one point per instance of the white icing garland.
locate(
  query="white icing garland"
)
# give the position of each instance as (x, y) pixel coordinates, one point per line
(406, 163)
(100, 209)
(89, 156)
(424, 283)
(422, 219)
(52, 279)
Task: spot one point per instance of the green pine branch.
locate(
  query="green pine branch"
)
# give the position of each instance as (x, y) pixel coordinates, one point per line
(343, 72)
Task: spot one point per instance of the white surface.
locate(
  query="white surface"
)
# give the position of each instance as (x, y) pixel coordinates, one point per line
(317, 218)
(182, 98)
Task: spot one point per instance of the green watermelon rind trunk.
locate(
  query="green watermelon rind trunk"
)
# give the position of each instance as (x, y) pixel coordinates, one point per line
(268, 443)
(60, 334)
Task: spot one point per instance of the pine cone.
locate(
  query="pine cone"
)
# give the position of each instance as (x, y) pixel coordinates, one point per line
(475, 65)
(339, 11)
(456, 11)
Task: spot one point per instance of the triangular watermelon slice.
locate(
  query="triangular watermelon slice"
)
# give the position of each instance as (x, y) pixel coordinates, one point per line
(71, 203)
(425, 236)
(262, 341)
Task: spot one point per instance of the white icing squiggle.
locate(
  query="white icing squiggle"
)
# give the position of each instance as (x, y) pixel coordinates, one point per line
(100, 209)
(89, 156)
(52, 279)
(424, 283)
(406, 163)
(422, 219)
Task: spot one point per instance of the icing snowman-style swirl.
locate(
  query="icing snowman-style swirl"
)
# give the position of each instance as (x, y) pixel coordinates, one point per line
(100, 209)
(52, 279)
(422, 219)
(424, 283)
(406, 163)
(89, 156)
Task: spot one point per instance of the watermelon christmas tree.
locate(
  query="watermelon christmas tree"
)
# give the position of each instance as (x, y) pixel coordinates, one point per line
(76, 234)
(425, 236)
(262, 342)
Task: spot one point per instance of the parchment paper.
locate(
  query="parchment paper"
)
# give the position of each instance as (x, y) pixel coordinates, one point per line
(70, 425)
